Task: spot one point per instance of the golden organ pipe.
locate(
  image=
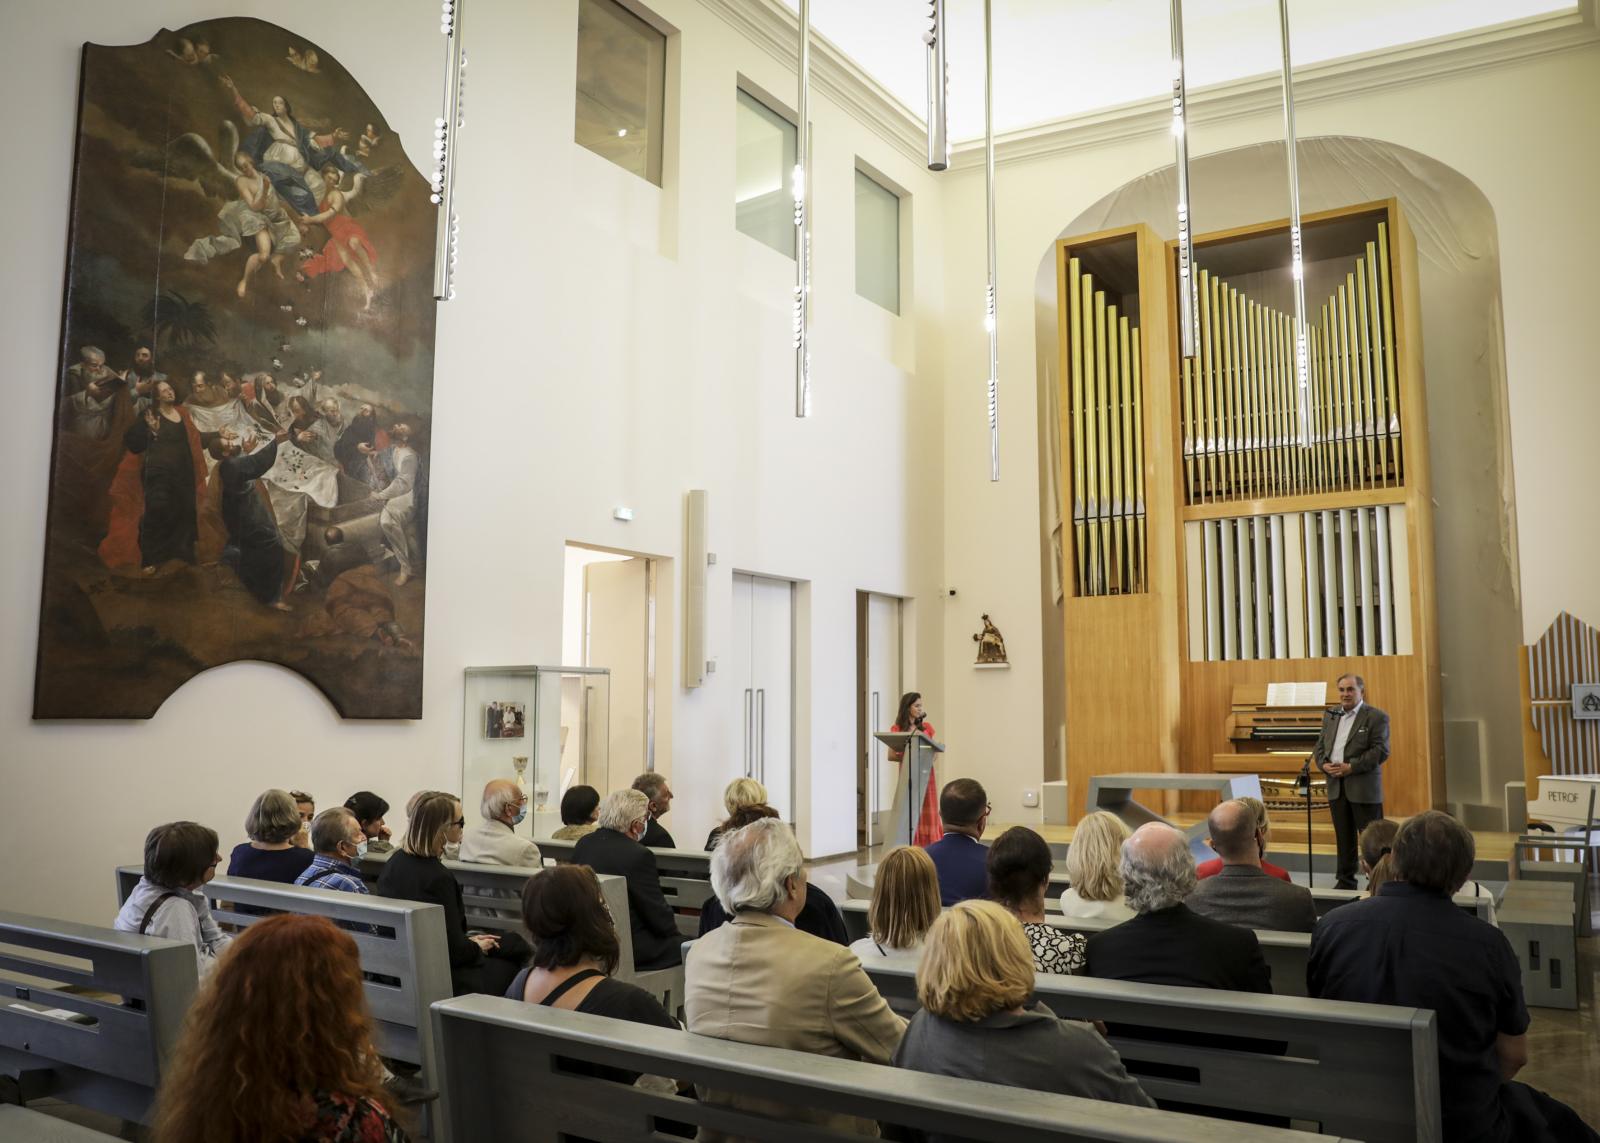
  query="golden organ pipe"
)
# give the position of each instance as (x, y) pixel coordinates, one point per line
(1208, 465)
(1114, 428)
(1325, 446)
(1103, 479)
(1123, 346)
(1236, 387)
(1225, 457)
(1091, 438)
(1388, 350)
(1380, 410)
(1138, 455)
(1364, 361)
(1075, 357)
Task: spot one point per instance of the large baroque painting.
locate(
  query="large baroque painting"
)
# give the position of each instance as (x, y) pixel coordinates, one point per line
(241, 456)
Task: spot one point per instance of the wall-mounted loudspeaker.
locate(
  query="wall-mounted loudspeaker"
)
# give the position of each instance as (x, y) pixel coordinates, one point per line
(694, 588)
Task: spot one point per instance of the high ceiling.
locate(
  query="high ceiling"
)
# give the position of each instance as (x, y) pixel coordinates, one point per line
(1058, 58)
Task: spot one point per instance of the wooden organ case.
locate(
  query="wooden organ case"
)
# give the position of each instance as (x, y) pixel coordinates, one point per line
(1227, 532)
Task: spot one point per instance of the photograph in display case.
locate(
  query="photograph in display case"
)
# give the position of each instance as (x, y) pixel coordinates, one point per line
(505, 719)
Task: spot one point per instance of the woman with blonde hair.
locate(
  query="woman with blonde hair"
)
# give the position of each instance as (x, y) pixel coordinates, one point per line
(271, 854)
(416, 872)
(905, 903)
(1095, 888)
(741, 792)
(974, 982)
(278, 1045)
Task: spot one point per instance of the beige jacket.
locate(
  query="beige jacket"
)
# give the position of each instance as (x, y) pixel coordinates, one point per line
(494, 843)
(759, 980)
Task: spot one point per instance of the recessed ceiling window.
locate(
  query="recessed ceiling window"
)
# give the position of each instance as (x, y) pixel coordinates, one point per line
(622, 67)
(877, 242)
(763, 200)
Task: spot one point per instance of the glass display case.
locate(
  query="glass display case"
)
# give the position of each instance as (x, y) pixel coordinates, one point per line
(546, 728)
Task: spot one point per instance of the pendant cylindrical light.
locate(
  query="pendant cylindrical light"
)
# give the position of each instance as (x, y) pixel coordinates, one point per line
(1188, 301)
(447, 231)
(1297, 253)
(990, 316)
(802, 228)
(938, 89)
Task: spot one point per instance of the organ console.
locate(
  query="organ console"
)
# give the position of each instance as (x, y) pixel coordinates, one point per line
(1273, 739)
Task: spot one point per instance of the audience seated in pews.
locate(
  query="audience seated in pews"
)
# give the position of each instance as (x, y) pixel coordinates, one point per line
(179, 858)
(615, 848)
(979, 1021)
(575, 952)
(306, 807)
(416, 872)
(1243, 893)
(1166, 942)
(960, 858)
(278, 1045)
(741, 792)
(1092, 860)
(1374, 848)
(654, 787)
(1019, 877)
(270, 854)
(905, 902)
(1411, 945)
(1263, 824)
(369, 810)
(580, 807)
(819, 916)
(760, 980)
(493, 841)
(337, 844)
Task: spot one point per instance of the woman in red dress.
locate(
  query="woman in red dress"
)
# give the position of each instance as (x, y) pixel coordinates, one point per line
(348, 247)
(912, 717)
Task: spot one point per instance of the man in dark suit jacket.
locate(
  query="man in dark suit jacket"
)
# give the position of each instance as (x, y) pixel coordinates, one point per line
(654, 787)
(959, 858)
(615, 848)
(1242, 893)
(1166, 942)
(1351, 748)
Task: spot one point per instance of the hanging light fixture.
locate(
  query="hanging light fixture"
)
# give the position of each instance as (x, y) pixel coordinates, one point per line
(802, 228)
(447, 231)
(989, 317)
(1297, 253)
(1188, 302)
(938, 89)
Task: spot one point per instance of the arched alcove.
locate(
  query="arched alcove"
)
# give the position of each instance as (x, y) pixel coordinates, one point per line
(1479, 602)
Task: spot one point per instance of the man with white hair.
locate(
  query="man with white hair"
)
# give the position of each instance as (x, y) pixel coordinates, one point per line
(760, 980)
(91, 393)
(1166, 942)
(494, 841)
(614, 848)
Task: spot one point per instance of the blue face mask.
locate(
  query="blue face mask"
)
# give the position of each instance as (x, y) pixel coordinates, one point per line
(522, 813)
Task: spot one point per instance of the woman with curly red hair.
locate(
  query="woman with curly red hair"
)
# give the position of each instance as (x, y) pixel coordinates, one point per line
(277, 1048)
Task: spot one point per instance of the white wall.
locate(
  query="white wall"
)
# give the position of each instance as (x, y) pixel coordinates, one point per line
(612, 343)
(1526, 134)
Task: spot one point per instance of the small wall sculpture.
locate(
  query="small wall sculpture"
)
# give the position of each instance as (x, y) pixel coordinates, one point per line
(991, 646)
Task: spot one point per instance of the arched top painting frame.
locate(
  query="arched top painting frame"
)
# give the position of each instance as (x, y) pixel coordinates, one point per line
(241, 437)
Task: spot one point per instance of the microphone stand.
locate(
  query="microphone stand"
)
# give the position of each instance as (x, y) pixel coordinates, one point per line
(1304, 784)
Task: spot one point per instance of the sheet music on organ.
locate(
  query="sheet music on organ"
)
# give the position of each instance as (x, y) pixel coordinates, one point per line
(1297, 694)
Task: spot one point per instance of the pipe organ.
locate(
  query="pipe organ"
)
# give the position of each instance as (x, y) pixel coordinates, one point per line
(1230, 527)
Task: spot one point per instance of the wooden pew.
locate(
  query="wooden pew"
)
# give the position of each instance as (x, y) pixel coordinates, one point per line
(508, 1078)
(103, 1054)
(1285, 953)
(685, 878)
(1369, 1071)
(402, 945)
(491, 897)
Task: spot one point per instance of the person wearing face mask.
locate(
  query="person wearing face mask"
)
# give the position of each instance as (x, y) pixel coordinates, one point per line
(494, 840)
(615, 848)
(338, 842)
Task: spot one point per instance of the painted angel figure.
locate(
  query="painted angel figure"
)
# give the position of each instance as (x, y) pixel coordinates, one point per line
(289, 154)
(348, 247)
(257, 214)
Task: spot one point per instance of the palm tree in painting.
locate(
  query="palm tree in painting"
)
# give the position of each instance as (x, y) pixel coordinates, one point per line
(177, 320)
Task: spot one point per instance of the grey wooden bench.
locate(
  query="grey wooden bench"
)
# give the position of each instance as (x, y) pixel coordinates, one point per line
(491, 897)
(509, 1077)
(685, 878)
(1369, 1071)
(61, 1037)
(402, 944)
(1285, 953)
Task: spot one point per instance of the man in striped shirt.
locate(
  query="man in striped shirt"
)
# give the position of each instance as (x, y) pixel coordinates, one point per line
(337, 839)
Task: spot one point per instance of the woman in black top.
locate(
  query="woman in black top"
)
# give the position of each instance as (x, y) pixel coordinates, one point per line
(270, 855)
(416, 872)
(575, 952)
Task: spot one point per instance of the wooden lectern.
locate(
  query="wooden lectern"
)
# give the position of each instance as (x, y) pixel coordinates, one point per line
(916, 763)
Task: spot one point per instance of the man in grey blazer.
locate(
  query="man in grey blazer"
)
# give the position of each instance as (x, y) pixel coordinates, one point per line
(1351, 748)
(1242, 893)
